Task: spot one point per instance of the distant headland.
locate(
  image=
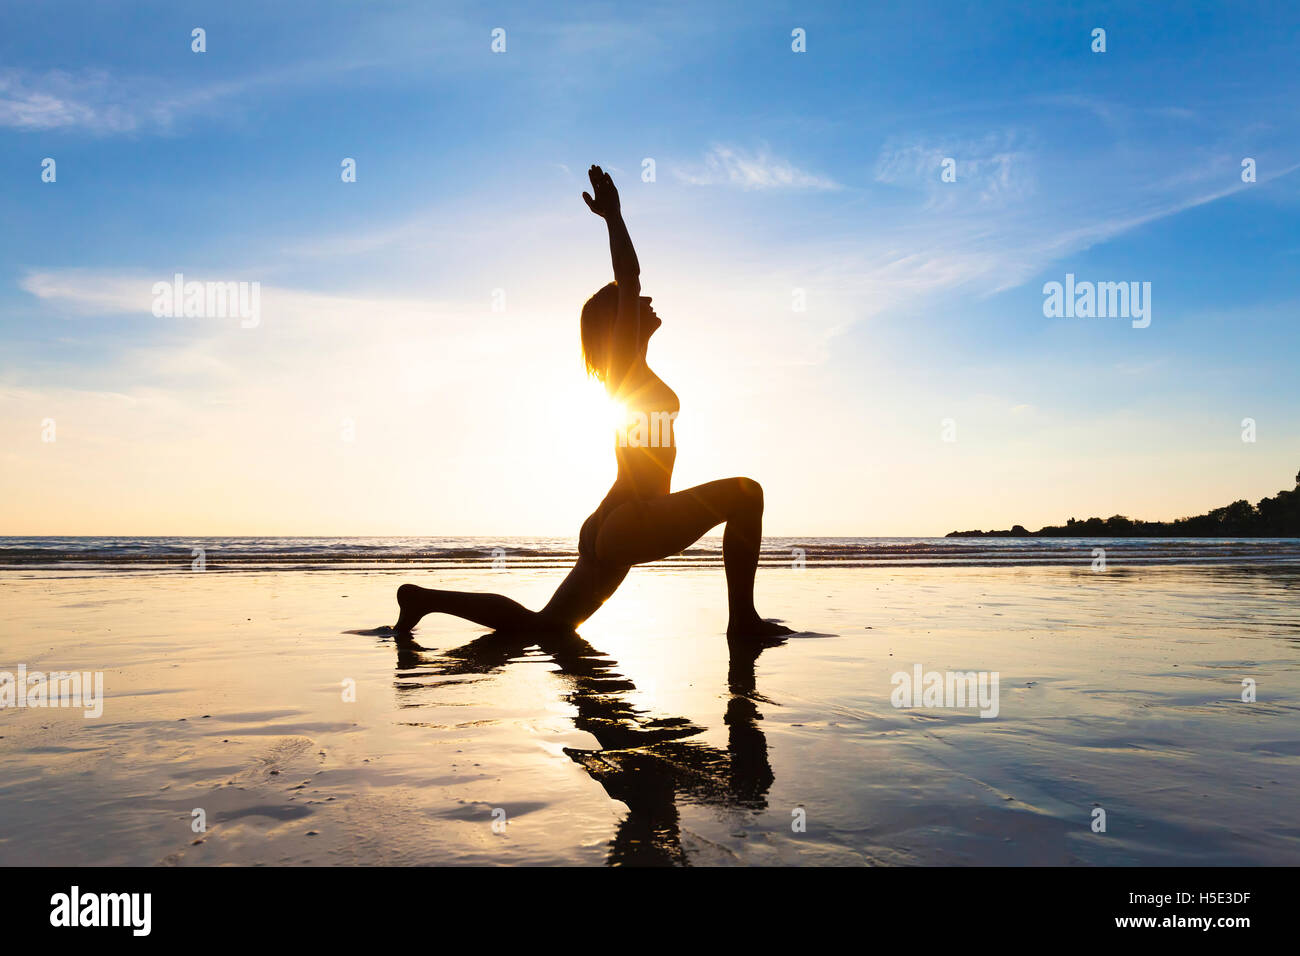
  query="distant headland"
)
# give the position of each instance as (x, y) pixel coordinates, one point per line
(1276, 517)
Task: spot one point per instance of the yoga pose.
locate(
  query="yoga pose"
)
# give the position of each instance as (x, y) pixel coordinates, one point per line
(640, 520)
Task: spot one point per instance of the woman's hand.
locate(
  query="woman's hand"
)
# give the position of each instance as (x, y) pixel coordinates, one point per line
(626, 268)
(605, 204)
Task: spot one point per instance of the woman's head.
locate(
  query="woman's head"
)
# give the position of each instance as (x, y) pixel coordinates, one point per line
(598, 317)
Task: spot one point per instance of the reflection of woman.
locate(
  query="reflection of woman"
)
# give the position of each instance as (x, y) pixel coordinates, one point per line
(650, 764)
(640, 520)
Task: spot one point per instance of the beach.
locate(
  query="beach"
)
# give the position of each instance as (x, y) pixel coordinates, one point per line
(267, 703)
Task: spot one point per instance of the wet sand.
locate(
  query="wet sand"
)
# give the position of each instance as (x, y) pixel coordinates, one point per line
(652, 741)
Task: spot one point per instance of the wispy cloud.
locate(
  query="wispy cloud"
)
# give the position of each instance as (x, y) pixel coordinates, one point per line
(731, 166)
(101, 102)
(87, 291)
(996, 169)
(55, 99)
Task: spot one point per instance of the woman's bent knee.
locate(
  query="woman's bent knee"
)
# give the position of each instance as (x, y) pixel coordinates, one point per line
(751, 491)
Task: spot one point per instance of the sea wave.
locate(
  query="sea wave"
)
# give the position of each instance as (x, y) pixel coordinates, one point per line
(466, 553)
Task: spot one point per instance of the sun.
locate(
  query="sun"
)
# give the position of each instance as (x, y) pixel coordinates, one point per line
(616, 413)
(591, 420)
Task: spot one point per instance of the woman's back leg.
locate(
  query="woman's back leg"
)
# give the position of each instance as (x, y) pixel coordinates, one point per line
(490, 610)
(582, 592)
(579, 596)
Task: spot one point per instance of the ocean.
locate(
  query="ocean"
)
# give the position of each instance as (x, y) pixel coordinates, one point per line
(468, 553)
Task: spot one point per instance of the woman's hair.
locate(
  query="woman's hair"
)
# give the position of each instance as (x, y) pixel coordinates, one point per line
(598, 317)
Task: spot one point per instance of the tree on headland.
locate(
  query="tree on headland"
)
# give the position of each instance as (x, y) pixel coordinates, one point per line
(1276, 517)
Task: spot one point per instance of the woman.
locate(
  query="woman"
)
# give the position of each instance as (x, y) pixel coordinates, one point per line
(640, 520)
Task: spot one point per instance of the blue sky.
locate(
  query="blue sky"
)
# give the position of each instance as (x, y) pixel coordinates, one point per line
(775, 171)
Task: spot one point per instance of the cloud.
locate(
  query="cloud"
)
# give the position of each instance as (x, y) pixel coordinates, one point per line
(86, 291)
(997, 169)
(60, 100)
(97, 101)
(100, 102)
(729, 166)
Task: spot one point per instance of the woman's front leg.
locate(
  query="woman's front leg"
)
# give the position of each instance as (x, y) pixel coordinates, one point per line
(640, 532)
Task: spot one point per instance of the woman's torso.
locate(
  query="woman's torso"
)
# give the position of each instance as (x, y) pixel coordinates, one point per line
(645, 448)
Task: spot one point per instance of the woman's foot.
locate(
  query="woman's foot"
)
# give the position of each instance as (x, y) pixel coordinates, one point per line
(411, 607)
(755, 627)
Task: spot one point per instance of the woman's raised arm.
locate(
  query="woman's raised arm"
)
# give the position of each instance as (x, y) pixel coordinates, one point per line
(625, 337)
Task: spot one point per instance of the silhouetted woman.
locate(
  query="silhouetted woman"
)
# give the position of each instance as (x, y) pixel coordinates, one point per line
(640, 520)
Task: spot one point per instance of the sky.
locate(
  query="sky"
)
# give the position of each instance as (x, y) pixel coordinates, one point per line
(841, 322)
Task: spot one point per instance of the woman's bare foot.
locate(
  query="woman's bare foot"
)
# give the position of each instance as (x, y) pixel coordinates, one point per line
(756, 627)
(411, 607)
